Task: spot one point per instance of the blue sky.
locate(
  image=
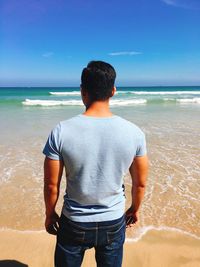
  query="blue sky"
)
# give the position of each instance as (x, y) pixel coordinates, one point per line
(149, 42)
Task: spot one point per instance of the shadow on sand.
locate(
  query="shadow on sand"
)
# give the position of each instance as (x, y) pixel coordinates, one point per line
(12, 263)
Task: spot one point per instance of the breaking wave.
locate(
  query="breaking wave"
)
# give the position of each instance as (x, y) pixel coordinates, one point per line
(162, 92)
(47, 103)
(65, 93)
(189, 100)
(134, 92)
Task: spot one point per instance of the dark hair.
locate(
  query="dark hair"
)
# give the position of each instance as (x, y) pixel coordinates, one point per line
(98, 80)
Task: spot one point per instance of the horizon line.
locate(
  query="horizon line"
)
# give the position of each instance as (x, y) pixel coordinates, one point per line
(115, 86)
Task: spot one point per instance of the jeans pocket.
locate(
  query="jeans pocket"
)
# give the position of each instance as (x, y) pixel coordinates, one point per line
(69, 233)
(116, 233)
(77, 235)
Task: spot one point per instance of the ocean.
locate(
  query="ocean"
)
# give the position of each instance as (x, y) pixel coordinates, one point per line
(170, 118)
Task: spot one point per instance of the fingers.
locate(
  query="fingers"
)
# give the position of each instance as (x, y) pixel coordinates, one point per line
(130, 225)
(130, 222)
(52, 229)
(56, 225)
(52, 225)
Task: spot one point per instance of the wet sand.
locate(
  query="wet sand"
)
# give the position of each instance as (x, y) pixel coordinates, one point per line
(154, 249)
(172, 198)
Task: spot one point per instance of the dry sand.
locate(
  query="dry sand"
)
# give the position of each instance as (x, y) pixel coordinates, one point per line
(154, 249)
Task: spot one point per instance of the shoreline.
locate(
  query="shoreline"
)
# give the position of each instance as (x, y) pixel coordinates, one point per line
(155, 248)
(140, 232)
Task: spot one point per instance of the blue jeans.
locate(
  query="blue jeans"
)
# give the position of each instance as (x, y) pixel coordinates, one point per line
(74, 238)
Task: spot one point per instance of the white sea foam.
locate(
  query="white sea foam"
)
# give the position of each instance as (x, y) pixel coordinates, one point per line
(169, 99)
(46, 103)
(127, 102)
(65, 93)
(7, 173)
(163, 92)
(140, 232)
(195, 100)
(144, 230)
(135, 92)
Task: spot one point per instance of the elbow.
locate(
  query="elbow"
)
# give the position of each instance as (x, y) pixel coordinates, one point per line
(51, 189)
(140, 184)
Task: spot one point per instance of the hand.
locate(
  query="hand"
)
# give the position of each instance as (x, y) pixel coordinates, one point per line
(51, 223)
(131, 217)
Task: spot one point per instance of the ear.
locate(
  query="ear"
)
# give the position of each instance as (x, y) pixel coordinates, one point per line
(113, 91)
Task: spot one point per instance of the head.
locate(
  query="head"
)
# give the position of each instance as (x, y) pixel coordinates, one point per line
(97, 81)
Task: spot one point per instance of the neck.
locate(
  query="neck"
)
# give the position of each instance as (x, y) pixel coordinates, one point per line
(98, 109)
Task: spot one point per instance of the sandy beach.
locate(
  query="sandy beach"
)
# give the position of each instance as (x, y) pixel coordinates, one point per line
(154, 249)
(172, 199)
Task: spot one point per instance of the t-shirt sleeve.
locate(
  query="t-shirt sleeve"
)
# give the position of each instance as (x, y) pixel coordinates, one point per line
(141, 147)
(52, 148)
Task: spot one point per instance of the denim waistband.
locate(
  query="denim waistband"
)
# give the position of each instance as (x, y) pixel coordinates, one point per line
(94, 225)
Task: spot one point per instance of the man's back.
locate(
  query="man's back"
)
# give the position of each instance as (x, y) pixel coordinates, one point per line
(96, 152)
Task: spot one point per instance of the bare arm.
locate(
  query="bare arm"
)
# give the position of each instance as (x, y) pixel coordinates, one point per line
(138, 171)
(53, 170)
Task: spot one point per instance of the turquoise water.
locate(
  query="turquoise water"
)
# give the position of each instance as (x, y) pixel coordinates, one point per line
(125, 96)
(170, 118)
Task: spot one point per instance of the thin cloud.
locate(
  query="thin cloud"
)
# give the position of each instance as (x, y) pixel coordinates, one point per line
(187, 4)
(125, 53)
(169, 2)
(48, 54)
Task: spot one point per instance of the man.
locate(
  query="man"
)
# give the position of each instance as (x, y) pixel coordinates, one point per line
(96, 148)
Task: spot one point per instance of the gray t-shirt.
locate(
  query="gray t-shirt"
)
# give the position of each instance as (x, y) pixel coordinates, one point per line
(97, 152)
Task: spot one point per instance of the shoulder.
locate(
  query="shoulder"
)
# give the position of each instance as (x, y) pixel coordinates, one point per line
(128, 125)
(68, 122)
(64, 125)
